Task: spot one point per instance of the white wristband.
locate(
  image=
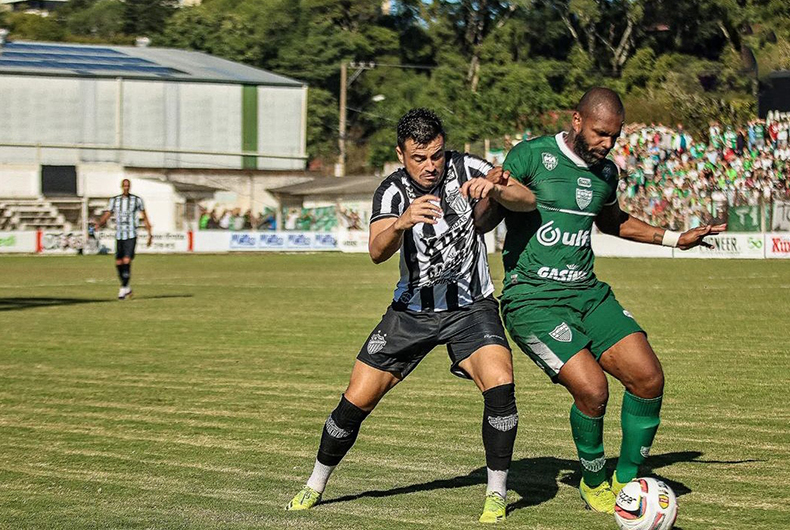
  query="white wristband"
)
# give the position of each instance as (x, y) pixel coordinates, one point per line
(671, 238)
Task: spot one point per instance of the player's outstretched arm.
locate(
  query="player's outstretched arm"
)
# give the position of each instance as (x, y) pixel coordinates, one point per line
(513, 195)
(487, 212)
(386, 235)
(613, 221)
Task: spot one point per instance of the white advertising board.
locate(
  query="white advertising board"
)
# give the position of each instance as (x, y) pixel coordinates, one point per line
(216, 241)
(610, 246)
(16, 242)
(352, 241)
(777, 245)
(728, 245)
(163, 243)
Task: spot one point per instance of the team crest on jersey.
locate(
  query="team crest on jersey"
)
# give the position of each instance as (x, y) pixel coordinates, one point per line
(584, 182)
(549, 161)
(607, 171)
(583, 198)
(456, 200)
(376, 343)
(562, 333)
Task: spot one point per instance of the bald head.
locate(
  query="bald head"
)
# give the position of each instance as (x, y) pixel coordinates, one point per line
(600, 101)
(596, 124)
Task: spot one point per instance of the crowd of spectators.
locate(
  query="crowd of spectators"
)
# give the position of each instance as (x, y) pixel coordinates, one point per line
(680, 182)
(300, 219)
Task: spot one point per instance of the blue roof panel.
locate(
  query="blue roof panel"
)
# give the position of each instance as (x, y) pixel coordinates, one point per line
(132, 63)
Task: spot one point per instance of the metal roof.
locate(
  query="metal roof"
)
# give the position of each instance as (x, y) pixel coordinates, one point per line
(331, 186)
(130, 62)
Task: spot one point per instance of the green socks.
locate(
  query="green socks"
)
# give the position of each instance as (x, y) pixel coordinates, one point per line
(588, 437)
(640, 419)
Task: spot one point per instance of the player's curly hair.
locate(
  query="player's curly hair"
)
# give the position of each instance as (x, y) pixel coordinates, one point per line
(421, 125)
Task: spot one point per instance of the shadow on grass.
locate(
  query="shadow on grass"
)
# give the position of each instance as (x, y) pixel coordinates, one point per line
(30, 302)
(536, 480)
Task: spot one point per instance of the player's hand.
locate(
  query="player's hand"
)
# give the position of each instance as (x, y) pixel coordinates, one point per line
(150, 239)
(425, 209)
(694, 237)
(497, 175)
(478, 188)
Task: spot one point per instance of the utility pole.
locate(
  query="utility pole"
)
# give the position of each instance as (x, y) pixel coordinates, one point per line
(345, 82)
(340, 167)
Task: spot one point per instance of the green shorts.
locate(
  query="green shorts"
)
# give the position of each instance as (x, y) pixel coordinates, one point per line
(553, 326)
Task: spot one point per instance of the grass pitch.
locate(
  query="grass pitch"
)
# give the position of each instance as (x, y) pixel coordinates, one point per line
(199, 404)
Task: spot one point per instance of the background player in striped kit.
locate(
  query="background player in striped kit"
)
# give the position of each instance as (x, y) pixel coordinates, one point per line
(444, 296)
(123, 208)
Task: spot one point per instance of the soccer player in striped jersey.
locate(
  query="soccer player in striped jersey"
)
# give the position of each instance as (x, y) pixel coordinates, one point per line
(444, 296)
(123, 209)
(566, 320)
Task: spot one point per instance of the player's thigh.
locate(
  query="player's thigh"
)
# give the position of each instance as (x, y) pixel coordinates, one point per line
(634, 363)
(489, 367)
(605, 321)
(549, 334)
(368, 385)
(399, 342)
(476, 343)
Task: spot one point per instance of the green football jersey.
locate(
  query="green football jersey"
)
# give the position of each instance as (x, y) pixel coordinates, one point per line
(549, 248)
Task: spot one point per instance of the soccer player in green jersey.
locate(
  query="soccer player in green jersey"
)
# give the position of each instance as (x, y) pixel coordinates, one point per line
(566, 320)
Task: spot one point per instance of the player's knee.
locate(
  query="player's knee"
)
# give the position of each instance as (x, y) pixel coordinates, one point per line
(648, 385)
(592, 400)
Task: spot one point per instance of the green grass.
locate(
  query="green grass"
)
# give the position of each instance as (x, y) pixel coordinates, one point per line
(200, 403)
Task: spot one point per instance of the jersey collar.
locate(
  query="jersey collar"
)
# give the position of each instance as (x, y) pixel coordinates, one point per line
(560, 137)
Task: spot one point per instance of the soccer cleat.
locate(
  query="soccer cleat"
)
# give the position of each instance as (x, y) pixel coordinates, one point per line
(122, 293)
(304, 500)
(598, 499)
(128, 292)
(617, 485)
(495, 509)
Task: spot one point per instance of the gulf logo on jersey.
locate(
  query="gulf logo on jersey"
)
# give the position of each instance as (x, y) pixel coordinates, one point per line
(548, 236)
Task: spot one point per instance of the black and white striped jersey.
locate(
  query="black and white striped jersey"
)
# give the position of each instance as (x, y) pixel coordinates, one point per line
(124, 210)
(443, 266)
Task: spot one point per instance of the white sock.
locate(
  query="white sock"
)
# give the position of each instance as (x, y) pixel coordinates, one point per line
(320, 476)
(497, 482)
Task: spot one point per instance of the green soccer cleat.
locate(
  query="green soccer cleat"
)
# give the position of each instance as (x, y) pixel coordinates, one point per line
(617, 485)
(495, 509)
(304, 500)
(598, 499)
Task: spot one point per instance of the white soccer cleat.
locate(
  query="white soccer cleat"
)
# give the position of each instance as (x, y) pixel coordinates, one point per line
(122, 293)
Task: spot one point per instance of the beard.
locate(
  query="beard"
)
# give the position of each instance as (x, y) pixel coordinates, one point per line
(590, 156)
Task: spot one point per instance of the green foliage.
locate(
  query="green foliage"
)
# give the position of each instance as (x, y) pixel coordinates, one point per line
(490, 68)
(25, 26)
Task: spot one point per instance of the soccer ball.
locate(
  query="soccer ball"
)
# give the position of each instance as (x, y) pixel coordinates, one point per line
(646, 504)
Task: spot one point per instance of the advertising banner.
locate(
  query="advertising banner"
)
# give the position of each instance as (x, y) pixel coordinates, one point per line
(216, 241)
(780, 221)
(746, 218)
(777, 246)
(604, 245)
(17, 242)
(728, 245)
(104, 243)
(352, 240)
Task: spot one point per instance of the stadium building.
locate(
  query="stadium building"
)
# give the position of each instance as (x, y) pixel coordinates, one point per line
(183, 126)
